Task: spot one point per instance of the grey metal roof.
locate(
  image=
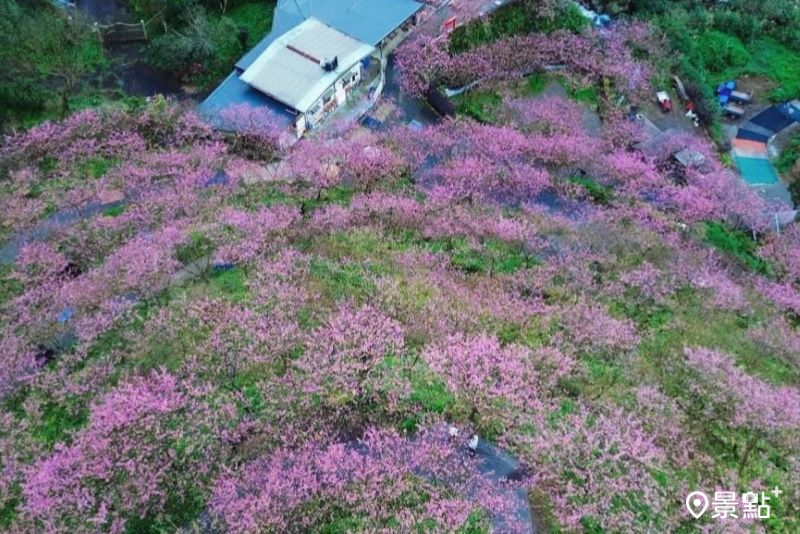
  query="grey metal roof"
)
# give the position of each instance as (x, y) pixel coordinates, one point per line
(282, 22)
(366, 20)
(234, 92)
(369, 21)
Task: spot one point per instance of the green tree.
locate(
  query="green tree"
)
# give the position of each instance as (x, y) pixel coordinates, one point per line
(71, 52)
(197, 47)
(45, 51)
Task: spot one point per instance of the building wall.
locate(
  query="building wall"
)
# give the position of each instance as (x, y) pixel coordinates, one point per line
(392, 41)
(300, 125)
(333, 97)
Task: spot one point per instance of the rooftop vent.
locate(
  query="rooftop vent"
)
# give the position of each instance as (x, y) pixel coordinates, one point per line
(330, 65)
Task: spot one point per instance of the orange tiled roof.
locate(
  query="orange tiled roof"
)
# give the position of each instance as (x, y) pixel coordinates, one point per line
(744, 146)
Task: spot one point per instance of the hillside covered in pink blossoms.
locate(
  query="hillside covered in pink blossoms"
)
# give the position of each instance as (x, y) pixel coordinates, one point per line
(207, 332)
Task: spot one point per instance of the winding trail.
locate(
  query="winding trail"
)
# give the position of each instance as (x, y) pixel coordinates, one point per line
(48, 226)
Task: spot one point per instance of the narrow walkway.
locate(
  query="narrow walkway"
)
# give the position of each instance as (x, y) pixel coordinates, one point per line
(48, 226)
(500, 467)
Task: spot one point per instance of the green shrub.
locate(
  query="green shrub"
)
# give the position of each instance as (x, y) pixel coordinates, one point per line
(721, 52)
(57, 422)
(196, 247)
(737, 244)
(493, 256)
(341, 281)
(587, 94)
(790, 155)
(599, 193)
(535, 83)
(516, 18)
(338, 194)
(204, 44)
(10, 286)
(480, 105)
(114, 211)
(199, 45)
(230, 284)
(8, 509)
(178, 510)
(714, 45)
(778, 63)
(788, 164)
(48, 61)
(274, 196)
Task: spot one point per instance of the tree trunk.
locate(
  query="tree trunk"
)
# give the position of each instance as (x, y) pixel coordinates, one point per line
(748, 448)
(64, 103)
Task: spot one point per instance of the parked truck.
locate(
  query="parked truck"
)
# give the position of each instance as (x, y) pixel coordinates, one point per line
(733, 111)
(741, 97)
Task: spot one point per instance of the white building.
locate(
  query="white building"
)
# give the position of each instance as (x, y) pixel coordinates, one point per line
(313, 59)
(311, 68)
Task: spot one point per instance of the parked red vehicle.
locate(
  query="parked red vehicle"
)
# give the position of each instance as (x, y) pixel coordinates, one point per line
(664, 101)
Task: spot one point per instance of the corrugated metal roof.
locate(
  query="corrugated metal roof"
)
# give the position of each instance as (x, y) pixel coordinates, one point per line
(289, 69)
(282, 22)
(366, 20)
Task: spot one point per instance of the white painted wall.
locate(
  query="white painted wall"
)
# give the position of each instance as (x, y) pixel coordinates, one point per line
(300, 125)
(341, 96)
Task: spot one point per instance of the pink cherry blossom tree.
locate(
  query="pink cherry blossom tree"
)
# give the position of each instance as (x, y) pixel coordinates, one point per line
(371, 478)
(136, 451)
(348, 361)
(731, 396)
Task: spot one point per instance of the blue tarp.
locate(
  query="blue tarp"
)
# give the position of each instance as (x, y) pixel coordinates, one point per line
(789, 110)
(724, 91)
(66, 314)
(220, 178)
(371, 122)
(794, 110)
(223, 267)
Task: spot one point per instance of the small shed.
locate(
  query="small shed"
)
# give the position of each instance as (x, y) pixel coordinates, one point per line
(689, 158)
